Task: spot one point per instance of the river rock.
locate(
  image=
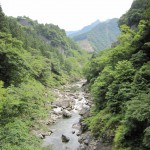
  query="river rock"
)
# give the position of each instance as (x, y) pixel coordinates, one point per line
(66, 113)
(49, 122)
(47, 133)
(57, 111)
(65, 104)
(57, 103)
(86, 141)
(86, 106)
(83, 147)
(73, 132)
(80, 98)
(80, 140)
(79, 133)
(83, 111)
(40, 136)
(53, 106)
(67, 90)
(64, 138)
(71, 94)
(76, 126)
(69, 109)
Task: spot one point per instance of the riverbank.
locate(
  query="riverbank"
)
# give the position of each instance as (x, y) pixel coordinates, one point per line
(65, 128)
(64, 118)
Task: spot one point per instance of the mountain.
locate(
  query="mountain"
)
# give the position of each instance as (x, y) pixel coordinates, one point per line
(83, 30)
(119, 82)
(100, 36)
(34, 58)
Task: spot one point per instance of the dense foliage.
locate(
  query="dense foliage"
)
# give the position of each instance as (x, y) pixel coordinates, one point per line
(119, 83)
(33, 58)
(102, 35)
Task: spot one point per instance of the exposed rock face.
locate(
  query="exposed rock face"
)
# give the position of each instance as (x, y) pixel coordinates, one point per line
(86, 45)
(64, 138)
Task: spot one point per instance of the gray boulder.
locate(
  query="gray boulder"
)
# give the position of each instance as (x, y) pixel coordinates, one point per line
(83, 147)
(64, 138)
(66, 114)
(65, 104)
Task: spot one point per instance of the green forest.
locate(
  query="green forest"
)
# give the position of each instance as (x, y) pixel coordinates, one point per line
(36, 57)
(102, 35)
(119, 83)
(33, 58)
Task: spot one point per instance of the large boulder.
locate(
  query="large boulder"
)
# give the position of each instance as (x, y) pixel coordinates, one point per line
(65, 104)
(57, 103)
(62, 103)
(64, 138)
(57, 111)
(66, 113)
(85, 110)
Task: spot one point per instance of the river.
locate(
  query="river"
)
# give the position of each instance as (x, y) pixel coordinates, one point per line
(67, 126)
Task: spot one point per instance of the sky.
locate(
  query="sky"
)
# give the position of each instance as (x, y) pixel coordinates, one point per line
(67, 14)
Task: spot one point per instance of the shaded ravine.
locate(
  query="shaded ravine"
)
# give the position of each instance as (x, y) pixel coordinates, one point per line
(67, 126)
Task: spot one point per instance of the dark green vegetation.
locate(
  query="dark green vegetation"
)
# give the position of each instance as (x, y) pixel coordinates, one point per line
(119, 80)
(33, 58)
(100, 36)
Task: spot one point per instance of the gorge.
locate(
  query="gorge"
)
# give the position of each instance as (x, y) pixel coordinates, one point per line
(54, 95)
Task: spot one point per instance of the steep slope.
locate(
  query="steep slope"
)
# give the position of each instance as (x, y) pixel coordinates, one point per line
(50, 41)
(101, 36)
(119, 83)
(33, 59)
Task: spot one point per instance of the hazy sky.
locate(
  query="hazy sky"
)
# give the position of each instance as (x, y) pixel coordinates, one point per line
(68, 14)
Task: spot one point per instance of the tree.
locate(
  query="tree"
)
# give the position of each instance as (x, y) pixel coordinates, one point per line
(3, 23)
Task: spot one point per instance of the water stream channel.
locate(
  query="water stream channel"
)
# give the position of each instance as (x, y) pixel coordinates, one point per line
(71, 98)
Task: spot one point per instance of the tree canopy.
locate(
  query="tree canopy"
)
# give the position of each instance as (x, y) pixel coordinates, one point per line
(119, 83)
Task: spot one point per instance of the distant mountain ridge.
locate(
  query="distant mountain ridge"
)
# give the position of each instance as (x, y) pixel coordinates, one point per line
(98, 35)
(83, 30)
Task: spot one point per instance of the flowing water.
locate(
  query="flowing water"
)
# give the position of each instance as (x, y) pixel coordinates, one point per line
(65, 126)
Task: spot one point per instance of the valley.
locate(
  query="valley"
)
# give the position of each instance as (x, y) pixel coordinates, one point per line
(79, 90)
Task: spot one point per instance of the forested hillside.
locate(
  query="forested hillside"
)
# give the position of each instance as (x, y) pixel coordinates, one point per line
(101, 36)
(33, 58)
(119, 81)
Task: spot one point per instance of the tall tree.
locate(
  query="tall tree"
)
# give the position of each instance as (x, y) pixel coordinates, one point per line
(3, 23)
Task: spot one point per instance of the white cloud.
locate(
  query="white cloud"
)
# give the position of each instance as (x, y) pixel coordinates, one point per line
(68, 14)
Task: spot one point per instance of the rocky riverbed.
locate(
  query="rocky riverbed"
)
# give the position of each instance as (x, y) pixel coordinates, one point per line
(65, 129)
